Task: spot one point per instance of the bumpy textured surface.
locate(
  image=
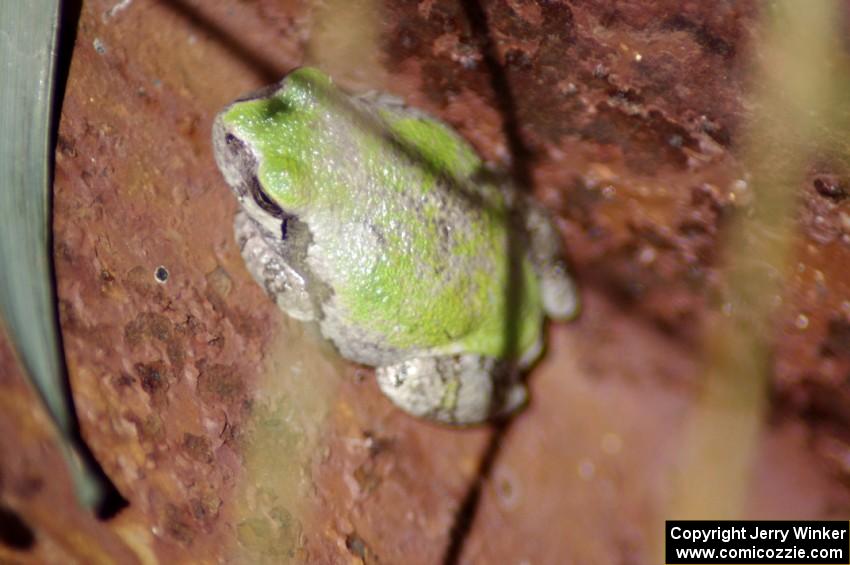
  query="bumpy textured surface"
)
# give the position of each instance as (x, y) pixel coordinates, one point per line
(633, 113)
(399, 237)
(407, 239)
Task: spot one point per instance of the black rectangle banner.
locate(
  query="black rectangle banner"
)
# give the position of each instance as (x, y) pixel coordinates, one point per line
(758, 542)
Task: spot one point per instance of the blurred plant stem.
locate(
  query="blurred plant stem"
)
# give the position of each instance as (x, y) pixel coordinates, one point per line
(344, 40)
(28, 39)
(790, 96)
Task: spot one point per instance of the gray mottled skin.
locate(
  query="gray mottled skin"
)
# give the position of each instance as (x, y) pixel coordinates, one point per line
(265, 257)
(450, 388)
(281, 253)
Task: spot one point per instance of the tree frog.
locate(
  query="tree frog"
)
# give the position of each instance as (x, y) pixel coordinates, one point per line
(382, 225)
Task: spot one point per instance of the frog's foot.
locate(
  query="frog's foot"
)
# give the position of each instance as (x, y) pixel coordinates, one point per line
(453, 389)
(558, 291)
(262, 254)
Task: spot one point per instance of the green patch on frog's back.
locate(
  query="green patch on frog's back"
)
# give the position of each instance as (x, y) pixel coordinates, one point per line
(414, 306)
(438, 147)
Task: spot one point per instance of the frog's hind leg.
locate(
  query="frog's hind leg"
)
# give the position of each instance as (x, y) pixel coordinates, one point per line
(262, 252)
(559, 293)
(453, 389)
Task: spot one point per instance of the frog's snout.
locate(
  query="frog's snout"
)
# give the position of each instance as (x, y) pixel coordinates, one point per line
(228, 153)
(235, 160)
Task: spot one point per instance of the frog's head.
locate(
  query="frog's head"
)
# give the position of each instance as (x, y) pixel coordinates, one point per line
(264, 143)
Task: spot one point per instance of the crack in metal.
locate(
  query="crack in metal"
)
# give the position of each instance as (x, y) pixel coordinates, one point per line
(521, 174)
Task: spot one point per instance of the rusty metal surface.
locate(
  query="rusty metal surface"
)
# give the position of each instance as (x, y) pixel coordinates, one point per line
(586, 474)
(167, 375)
(38, 502)
(235, 435)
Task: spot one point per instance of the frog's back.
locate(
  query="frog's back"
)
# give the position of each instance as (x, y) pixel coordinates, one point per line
(410, 240)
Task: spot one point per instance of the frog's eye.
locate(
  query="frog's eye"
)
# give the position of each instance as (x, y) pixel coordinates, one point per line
(231, 142)
(263, 201)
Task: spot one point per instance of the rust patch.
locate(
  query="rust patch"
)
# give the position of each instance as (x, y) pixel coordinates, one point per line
(197, 448)
(220, 383)
(154, 379)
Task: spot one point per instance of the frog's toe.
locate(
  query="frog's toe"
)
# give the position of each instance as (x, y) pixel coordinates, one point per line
(516, 397)
(453, 389)
(559, 293)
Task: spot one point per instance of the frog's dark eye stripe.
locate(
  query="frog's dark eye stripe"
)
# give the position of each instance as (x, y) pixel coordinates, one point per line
(263, 201)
